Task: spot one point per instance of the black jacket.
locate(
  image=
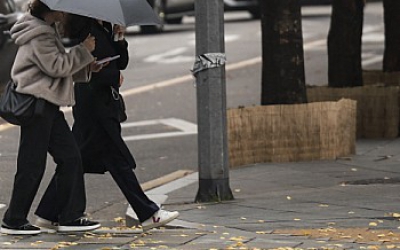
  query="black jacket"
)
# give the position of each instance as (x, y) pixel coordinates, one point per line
(96, 113)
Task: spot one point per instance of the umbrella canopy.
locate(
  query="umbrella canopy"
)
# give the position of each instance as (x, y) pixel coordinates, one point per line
(123, 12)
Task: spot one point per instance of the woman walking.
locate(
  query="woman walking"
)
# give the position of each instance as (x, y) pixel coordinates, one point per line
(43, 69)
(97, 127)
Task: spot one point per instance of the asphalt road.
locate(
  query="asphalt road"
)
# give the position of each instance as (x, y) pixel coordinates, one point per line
(160, 93)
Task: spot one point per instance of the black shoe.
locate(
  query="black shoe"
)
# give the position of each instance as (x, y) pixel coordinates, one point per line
(26, 229)
(79, 225)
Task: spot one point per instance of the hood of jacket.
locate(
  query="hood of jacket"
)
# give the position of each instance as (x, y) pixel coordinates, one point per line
(29, 27)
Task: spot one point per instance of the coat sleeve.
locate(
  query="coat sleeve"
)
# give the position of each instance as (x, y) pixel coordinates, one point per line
(56, 63)
(84, 75)
(122, 49)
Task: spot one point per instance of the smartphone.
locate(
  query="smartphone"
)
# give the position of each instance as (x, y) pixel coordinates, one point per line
(108, 59)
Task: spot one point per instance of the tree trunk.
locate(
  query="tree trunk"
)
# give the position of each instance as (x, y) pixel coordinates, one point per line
(391, 58)
(344, 43)
(283, 77)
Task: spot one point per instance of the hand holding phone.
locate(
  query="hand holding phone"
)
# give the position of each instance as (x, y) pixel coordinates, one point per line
(108, 59)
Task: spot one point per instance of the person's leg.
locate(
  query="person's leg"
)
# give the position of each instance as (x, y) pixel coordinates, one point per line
(47, 208)
(31, 163)
(65, 196)
(68, 180)
(149, 214)
(126, 180)
(46, 212)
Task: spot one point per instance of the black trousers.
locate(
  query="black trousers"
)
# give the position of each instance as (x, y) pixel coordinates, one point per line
(126, 180)
(48, 133)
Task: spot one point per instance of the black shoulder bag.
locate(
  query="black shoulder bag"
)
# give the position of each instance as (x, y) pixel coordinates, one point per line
(17, 108)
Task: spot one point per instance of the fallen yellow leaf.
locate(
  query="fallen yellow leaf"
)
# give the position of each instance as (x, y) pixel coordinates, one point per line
(239, 238)
(119, 219)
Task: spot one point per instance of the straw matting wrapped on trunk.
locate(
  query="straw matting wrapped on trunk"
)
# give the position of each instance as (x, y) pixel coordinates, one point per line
(299, 132)
(377, 107)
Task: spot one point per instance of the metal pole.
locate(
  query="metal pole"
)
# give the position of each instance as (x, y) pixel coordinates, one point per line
(211, 102)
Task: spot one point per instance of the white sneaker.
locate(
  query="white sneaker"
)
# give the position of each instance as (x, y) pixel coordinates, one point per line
(159, 218)
(46, 226)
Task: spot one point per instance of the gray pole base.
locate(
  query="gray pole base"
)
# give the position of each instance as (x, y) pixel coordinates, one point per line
(214, 190)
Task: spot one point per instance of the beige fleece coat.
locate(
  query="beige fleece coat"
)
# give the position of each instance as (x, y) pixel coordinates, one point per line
(42, 67)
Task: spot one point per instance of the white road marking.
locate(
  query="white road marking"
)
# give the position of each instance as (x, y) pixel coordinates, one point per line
(186, 128)
(373, 38)
(372, 60)
(171, 56)
(372, 28)
(161, 84)
(316, 43)
(2, 206)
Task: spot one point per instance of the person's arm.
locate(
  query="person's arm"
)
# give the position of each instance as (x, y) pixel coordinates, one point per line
(121, 45)
(56, 63)
(84, 75)
(122, 49)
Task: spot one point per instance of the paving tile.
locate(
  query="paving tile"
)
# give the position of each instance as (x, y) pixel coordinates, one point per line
(29, 245)
(102, 246)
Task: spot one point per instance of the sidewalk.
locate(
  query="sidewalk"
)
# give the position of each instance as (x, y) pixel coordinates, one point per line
(350, 203)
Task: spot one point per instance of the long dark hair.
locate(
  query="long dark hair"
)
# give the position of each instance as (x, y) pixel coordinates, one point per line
(38, 9)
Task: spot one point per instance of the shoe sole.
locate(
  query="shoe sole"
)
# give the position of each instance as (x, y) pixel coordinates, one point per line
(159, 224)
(47, 229)
(19, 232)
(68, 229)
